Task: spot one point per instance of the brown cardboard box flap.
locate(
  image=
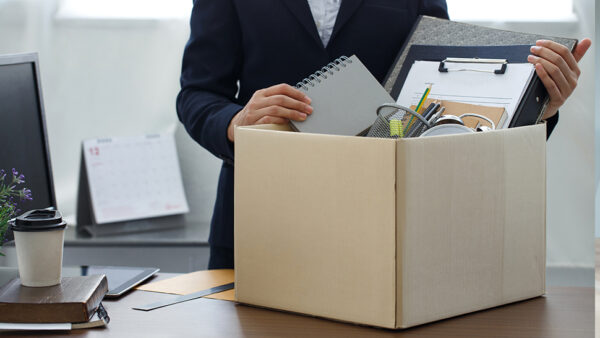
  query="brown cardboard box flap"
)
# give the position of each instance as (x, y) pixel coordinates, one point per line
(314, 222)
(471, 214)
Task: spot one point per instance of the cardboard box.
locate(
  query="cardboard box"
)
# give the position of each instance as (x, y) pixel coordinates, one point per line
(389, 233)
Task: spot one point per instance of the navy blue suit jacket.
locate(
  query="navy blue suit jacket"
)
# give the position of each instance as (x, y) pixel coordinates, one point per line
(259, 43)
(248, 45)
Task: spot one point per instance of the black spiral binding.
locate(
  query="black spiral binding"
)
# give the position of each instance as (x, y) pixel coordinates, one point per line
(321, 74)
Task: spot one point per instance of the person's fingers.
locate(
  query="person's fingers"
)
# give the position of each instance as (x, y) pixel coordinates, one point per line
(285, 89)
(254, 105)
(277, 111)
(547, 46)
(581, 48)
(548, 82)
(561, 74)
(272, 120)
(559, 79)
(556, 59)
(279, 103)
(287, 102)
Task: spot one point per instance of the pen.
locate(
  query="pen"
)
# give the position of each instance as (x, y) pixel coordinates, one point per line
(417, 125)
(437, 116)
(428, 113)
(411, 127)
(433, 118)
(421, 127)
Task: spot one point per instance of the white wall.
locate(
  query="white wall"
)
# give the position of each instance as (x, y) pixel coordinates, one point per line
(107, 78)
(597, 134)
(570, 216)
(121, 78)
(570, 158)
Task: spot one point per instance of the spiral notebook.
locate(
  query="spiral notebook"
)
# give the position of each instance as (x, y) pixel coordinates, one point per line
(345, 97)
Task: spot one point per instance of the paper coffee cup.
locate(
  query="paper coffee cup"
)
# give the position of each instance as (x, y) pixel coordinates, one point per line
(39, 239)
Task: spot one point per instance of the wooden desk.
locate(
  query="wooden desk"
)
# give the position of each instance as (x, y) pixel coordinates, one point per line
(563, 312)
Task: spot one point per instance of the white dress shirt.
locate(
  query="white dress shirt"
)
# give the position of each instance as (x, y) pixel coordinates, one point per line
(324, 12)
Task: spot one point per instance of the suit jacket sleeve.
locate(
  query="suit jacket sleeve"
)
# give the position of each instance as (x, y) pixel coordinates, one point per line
(436, 8)
(210, 70)
(551, 124)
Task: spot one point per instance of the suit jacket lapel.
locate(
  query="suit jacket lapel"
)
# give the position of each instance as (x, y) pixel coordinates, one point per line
(301, 10)
(347, 8)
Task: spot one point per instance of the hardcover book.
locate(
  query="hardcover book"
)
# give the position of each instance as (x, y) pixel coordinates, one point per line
(74, 300)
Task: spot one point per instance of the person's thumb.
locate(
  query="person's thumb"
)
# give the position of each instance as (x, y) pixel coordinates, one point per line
(581, 48)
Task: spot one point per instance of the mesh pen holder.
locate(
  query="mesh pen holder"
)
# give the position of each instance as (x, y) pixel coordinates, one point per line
(389, 121)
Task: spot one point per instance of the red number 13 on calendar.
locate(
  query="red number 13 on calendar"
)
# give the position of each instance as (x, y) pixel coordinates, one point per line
(94, 151)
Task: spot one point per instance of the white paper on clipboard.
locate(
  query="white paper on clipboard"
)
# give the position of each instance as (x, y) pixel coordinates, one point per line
(473, 87)
(134, 177)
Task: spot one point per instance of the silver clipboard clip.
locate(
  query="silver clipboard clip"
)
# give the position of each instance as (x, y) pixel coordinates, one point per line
(503, 62)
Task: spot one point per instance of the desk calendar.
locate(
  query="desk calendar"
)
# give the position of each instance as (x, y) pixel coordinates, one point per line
(129, 178)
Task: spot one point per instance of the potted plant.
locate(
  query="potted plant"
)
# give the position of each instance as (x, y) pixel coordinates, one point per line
(10, 194)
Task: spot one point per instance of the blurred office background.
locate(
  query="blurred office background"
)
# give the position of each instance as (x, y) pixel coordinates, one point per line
(597, 129)
(111, 68)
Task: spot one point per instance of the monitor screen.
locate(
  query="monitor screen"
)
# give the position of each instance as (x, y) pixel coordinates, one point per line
(23, 140)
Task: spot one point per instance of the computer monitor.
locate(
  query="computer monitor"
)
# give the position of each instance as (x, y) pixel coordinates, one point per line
(23, 136)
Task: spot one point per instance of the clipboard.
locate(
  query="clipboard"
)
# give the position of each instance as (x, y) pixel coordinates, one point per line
(532, 105)
(483, 42)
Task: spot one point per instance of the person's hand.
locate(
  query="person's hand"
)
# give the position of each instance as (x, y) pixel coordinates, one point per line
(557, 68)
(277, 104)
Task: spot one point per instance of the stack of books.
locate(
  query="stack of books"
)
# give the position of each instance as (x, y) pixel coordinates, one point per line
(75, 303)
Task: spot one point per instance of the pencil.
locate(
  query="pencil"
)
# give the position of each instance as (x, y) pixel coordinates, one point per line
(423, 98)
(419, 106)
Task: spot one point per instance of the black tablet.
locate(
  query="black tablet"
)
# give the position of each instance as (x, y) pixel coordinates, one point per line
(120, 278)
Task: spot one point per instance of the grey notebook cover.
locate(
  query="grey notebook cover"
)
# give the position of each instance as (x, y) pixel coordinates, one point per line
(434, 31)
(345, 97)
